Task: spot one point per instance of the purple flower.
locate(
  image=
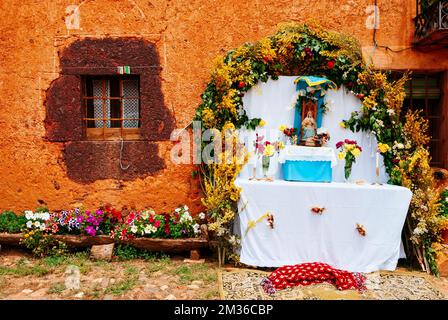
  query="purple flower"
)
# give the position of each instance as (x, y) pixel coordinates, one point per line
(91, 231)
(80, 218)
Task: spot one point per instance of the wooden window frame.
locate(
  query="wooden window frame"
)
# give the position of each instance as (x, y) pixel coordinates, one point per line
(438, 117)
(105, 133)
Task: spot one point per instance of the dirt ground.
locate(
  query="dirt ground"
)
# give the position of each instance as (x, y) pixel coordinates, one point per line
(24, 277)
(155, 277)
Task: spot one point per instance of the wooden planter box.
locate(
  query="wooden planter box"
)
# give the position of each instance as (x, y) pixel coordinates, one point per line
(81, 241)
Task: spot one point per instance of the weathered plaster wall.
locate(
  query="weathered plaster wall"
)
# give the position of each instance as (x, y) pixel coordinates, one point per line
(188, 34)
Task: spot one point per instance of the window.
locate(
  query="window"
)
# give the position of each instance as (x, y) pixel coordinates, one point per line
(423, 92)
(112, 107)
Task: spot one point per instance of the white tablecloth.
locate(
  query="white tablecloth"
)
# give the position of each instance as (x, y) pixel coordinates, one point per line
(301, 153)
(300, 236)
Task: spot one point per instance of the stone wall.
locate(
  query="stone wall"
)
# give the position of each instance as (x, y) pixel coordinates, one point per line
(187, 35)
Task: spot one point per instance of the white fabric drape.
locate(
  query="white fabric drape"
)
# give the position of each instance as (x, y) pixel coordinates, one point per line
(301, 236)
(274, 102)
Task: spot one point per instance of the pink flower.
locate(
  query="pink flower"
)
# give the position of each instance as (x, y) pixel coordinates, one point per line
(339, 144)
(91, 231)
(157, 224)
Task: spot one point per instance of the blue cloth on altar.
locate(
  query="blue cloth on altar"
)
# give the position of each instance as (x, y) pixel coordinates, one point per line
(303, 83)
(307, 171)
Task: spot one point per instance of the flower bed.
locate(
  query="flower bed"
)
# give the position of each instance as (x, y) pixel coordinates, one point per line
(42, 231)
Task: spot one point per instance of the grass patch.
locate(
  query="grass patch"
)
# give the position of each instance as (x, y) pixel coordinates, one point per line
(212, 294)
(22, 269)
(157, 265)
(122, 286)
(57, 288)
(189, 273)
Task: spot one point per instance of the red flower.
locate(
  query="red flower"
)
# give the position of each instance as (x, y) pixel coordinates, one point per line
(339, 144)
(267, 143)
(350, 84)
(157, 224)
(396, 160)
(330, 64)
(241, 85)
(308, 51)
(360, 95)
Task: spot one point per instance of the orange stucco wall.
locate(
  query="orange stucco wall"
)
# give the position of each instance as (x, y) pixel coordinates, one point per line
(188, 35)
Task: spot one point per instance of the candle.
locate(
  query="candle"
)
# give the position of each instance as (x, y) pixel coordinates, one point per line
(377, 169)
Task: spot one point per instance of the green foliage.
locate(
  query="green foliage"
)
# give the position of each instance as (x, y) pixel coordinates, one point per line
(10, 222)
(431, 257)
(444, 204)
(127, 252)
(57, 288)
(42, 244)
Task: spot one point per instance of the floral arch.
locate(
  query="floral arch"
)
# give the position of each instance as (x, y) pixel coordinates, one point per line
(303, 50)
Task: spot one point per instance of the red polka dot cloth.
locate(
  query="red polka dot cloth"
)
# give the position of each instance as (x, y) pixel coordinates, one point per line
(305, 274)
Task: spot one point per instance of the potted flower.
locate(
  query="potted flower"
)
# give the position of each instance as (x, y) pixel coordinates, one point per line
(349, 150)
(268, 152)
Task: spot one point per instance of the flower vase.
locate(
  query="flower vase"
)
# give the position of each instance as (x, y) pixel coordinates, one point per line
(265, 160)
(347, 173)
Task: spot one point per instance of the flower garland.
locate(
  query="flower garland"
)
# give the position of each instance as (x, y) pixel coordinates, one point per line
(303, 50)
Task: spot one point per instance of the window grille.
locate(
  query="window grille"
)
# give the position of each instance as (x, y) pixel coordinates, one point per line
(112, 105)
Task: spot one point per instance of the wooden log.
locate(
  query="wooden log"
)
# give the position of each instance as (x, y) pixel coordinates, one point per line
(168, 245)
(12, 239)
(79, 241)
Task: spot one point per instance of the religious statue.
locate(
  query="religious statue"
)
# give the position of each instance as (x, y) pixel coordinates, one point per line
(309, 130)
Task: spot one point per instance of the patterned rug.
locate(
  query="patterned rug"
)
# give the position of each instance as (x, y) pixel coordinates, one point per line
(244, 284)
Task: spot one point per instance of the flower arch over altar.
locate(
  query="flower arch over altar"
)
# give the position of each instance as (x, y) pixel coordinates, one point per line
(302, 50)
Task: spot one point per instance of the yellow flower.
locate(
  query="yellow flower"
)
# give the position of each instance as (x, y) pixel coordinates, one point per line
(349, 147)
(282, 128)
(280, 145)
(269, 150)
(342, 124)
(341, 155)
(262, 123)
(383, 147)
(356, 152)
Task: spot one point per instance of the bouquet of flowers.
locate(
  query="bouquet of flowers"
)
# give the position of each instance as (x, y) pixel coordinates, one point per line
(349, 150)
(148, 224)
(290, 133)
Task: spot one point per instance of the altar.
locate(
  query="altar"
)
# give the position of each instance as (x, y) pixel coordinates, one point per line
(352, 225)
(301, 235)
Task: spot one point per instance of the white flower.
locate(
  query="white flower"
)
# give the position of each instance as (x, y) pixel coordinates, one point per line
(185, 207)
(42, 227)
(134, 229)
(37, 224)
(150, 229)
(390, 111)
(145, 215)
(45, 216)
(177, 209)
(400, 146)
(29, 224)
(28, 214)
(446, 199)
(202, 215)
(196, 228)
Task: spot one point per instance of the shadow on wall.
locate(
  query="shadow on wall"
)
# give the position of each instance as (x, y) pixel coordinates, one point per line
(88, 161)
